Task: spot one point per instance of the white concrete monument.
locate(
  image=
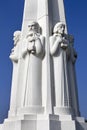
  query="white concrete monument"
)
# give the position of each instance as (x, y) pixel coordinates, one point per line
(44, 90)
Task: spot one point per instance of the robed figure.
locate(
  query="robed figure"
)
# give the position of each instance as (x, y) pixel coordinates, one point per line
(72, 76)
(58, 51)
(33, 53)
(15, 56)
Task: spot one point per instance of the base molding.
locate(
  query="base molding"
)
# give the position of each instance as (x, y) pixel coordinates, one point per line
(63, 111)
(43, 122)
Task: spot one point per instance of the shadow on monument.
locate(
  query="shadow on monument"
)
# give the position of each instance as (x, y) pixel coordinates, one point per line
(81, 126)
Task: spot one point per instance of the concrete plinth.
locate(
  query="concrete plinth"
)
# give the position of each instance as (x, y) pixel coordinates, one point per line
(34, 122)
(42, 122)
(30, 110)
(63, 110)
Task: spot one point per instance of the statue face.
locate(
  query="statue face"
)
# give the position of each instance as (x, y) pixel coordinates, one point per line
(61, 29)
(16, 37)
(33, 27)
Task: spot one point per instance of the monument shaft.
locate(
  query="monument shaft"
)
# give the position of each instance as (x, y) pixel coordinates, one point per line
(44, 79)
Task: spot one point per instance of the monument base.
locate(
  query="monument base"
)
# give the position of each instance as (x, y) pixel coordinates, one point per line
(26, 111)
(63, 111)
(43, 122)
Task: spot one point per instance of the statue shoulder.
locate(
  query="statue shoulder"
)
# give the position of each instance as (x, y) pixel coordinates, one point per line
(52, 38)
(42, 37)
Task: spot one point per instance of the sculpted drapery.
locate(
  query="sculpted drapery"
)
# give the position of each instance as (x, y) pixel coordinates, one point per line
(72, 76)
(29, 55)
(32, 53)
(58, 51)
(15, 56)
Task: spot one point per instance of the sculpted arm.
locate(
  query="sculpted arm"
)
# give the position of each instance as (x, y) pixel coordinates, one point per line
(54, 44)
(13, 56)
(24, 47)
(39, 46)
(43, 46)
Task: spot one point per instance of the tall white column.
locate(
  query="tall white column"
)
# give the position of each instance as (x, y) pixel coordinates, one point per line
(41, 95)
(30, 14)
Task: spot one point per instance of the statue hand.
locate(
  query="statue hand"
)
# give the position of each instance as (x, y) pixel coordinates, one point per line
(65, 41)
(31, 49)
(13, 57)
(59, 39)
(64, 46)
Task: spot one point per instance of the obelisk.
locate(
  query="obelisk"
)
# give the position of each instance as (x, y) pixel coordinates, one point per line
(47, 19)
(44, 79)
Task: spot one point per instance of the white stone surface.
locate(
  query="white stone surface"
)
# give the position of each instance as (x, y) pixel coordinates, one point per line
(43, 81)
(1, 126)
(33, 122)
(58, 47)
(29, 73)
(15, 56)
(41, 122)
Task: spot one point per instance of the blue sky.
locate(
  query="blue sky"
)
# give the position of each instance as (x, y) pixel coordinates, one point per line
(11, 12)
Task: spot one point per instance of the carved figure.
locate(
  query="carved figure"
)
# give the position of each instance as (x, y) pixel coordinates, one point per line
(14, 56)
(32, 52)
(72, 75)
(58, 48)
(15, 51)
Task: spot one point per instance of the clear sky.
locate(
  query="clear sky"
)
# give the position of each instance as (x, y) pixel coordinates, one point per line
(11, 12)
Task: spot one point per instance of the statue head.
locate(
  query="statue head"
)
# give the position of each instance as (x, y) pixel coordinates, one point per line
(59, 28)
(34, 26)
(16, 37)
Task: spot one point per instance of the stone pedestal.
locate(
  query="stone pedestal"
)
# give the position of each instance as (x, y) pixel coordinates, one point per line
(63, 110)
(38, 122)
(43, 122)
(30, 110)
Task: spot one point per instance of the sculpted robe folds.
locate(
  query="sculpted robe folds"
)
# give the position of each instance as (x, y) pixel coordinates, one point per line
(32, 52)
(15, 56)
(60, 72)
(72, 77)
(43, 95)
(33, 64)
(58, 47)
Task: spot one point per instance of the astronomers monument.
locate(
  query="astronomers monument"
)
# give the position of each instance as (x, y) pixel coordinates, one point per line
(44, 90)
